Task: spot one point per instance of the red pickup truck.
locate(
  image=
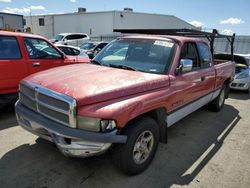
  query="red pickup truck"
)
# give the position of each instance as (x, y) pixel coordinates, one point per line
(23, 54)
(135, 88)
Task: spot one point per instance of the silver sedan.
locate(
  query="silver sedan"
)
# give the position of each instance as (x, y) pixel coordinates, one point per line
(241, 78)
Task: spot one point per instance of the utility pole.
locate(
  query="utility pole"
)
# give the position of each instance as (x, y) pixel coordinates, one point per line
(31, 22)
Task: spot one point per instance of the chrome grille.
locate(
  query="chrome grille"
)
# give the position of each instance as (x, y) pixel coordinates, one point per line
(53, 105)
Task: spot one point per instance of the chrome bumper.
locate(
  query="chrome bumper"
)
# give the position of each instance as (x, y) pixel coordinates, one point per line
(71, 142)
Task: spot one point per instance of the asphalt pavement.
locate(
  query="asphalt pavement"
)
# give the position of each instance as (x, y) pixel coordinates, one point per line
(205, 149)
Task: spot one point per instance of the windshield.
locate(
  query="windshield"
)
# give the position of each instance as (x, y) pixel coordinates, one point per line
(240, 68)
(58, 37)
(248, 61)
(88, 46)
(144, 55)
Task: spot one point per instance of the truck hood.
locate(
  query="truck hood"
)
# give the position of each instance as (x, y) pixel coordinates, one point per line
(90, 84)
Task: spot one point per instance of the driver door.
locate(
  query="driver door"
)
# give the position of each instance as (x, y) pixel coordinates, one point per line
(188, 85)
(41, 55)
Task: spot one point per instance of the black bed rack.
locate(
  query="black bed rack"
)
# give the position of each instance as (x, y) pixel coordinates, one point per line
(184, 32)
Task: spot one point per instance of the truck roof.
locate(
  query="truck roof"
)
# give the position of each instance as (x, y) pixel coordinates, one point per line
(9, 33)
(178, 39)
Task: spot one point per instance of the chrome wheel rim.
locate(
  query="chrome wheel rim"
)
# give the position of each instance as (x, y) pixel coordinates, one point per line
(143, 147)
(222, 96)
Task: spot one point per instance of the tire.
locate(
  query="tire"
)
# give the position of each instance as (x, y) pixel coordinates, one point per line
(132, 158)
(217, 104)
(248, 90)
(3, 102)
(7, 99)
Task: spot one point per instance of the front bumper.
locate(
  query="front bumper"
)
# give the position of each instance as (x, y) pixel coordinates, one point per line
(70, 141)
(240, 84)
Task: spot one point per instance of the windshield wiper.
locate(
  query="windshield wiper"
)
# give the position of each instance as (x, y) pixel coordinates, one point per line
(95, 62)
(123, 67)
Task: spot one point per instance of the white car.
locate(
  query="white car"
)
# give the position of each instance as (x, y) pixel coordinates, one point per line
(72, 39)
(71, 50)
(242, 74)
(242, 78)
(242, 70)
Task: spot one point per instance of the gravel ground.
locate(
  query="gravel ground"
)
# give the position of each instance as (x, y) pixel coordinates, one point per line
(205, 149)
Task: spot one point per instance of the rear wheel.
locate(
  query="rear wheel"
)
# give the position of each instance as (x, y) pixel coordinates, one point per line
(217, 104)
(136, 155)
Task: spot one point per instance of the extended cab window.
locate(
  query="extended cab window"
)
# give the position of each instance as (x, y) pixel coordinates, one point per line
(205, 55)
(9, 48)
(146, 55)
(40, 49)
(189, 51)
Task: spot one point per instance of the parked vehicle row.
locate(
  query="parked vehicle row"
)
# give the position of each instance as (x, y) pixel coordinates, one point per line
(24, 54)
(133, 90)
(81, 40)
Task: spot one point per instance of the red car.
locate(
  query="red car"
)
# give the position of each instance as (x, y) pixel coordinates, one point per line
(23, 54)
(126, 100)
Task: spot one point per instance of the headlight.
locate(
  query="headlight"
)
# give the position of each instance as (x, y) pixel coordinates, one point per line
(95, 124)
(88, 124)
(243, 75)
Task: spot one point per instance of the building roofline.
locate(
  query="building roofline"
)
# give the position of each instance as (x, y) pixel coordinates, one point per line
(100, 12)
(11, 14)
(187, 23)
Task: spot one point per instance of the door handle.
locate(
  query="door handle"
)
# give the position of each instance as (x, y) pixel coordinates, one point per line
(36, 64)
(203, 78)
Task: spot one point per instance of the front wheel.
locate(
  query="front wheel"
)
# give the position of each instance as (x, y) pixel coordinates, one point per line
(7, 99)
(217, 104)
(136, 155)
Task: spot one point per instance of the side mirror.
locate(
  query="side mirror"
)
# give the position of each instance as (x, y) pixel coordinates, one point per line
(185, 66)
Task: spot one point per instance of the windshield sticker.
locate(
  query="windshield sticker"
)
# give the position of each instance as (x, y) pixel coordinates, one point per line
(164, 43)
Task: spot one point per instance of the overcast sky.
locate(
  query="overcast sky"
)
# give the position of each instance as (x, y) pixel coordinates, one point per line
(226, 15)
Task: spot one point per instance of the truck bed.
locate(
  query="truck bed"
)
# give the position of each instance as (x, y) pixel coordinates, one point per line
(223, 68)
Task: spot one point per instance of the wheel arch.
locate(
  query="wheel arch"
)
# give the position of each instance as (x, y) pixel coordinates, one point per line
(226, 83)
(159, 115)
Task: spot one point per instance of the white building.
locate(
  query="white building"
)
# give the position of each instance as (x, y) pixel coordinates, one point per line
(97, 24)
(12, 22)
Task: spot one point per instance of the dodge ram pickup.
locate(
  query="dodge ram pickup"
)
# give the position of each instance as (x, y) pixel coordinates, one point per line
(133, 90)
(23, 54)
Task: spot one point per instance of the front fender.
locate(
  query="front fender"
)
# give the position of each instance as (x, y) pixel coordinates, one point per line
(124, 109)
